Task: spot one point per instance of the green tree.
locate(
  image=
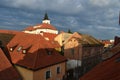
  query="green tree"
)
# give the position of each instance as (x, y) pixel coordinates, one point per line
(69, 31)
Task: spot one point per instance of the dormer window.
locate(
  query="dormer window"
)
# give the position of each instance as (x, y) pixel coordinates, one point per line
(26, 48)
(49, 52)
(72, 51)
(24, 51)
(20, 48)
(11, 49)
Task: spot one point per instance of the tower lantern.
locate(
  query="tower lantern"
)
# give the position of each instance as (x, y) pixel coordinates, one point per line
(46, 19)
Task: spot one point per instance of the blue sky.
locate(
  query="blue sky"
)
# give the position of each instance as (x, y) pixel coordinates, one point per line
(98, 18)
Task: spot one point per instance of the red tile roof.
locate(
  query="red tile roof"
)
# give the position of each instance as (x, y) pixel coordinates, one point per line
(84, 39)
(49, 35)
(7, 71)
(36, 56)
(9, 31)
(40, 26)
(106, 70)
(111, 52)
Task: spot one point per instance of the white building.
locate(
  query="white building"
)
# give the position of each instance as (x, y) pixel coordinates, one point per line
(45, 26)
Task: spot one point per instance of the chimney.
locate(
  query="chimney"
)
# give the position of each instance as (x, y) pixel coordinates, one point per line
(119, 18)
(117, 40)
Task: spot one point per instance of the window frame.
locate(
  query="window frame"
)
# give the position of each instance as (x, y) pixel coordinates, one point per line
(58, 70)
(72, 51)
(47, 74)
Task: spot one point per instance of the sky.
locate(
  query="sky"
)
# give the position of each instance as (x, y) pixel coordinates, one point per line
(99, 18)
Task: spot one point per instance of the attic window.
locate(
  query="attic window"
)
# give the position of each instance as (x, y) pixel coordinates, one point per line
(63, 41)
(20, 48)
(41, 31)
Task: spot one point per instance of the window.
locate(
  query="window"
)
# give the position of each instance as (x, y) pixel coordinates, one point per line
(49, 52)
(58, 70)
(20, 48)
(63, 41)
(48, 74)
(24, 51)
(11, 49)
(72, 51)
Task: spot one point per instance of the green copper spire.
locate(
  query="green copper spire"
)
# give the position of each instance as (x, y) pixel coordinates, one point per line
(46, 17)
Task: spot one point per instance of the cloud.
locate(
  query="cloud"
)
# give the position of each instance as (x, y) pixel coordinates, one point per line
(108, 28)
(61, 6)
(94, 17)
(105, 3)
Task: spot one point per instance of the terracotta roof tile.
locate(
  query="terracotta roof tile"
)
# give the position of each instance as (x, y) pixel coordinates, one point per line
(111, 52)
(91, 40)
(106, 70)
(37, 55)
(9, 31)
(6, 69)
(84, 39)
(40, 26)
(50, 35)
(5, 38)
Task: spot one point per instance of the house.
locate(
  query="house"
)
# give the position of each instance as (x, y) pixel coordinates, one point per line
(60, 38)
(7, 71)
(36, 58)
(107, 43)
(45, 26)
(109, 69)
(83, 53)
(107, 53)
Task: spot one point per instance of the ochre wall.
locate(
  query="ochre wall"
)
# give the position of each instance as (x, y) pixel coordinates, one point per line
(40, 74)
(25, 73)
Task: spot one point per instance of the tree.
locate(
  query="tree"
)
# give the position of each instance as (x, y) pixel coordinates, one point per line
(69, 31)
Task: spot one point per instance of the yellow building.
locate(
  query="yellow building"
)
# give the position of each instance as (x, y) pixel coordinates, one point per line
(35, 58)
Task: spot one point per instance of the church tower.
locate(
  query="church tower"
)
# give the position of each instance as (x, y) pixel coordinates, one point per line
(46, 19)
